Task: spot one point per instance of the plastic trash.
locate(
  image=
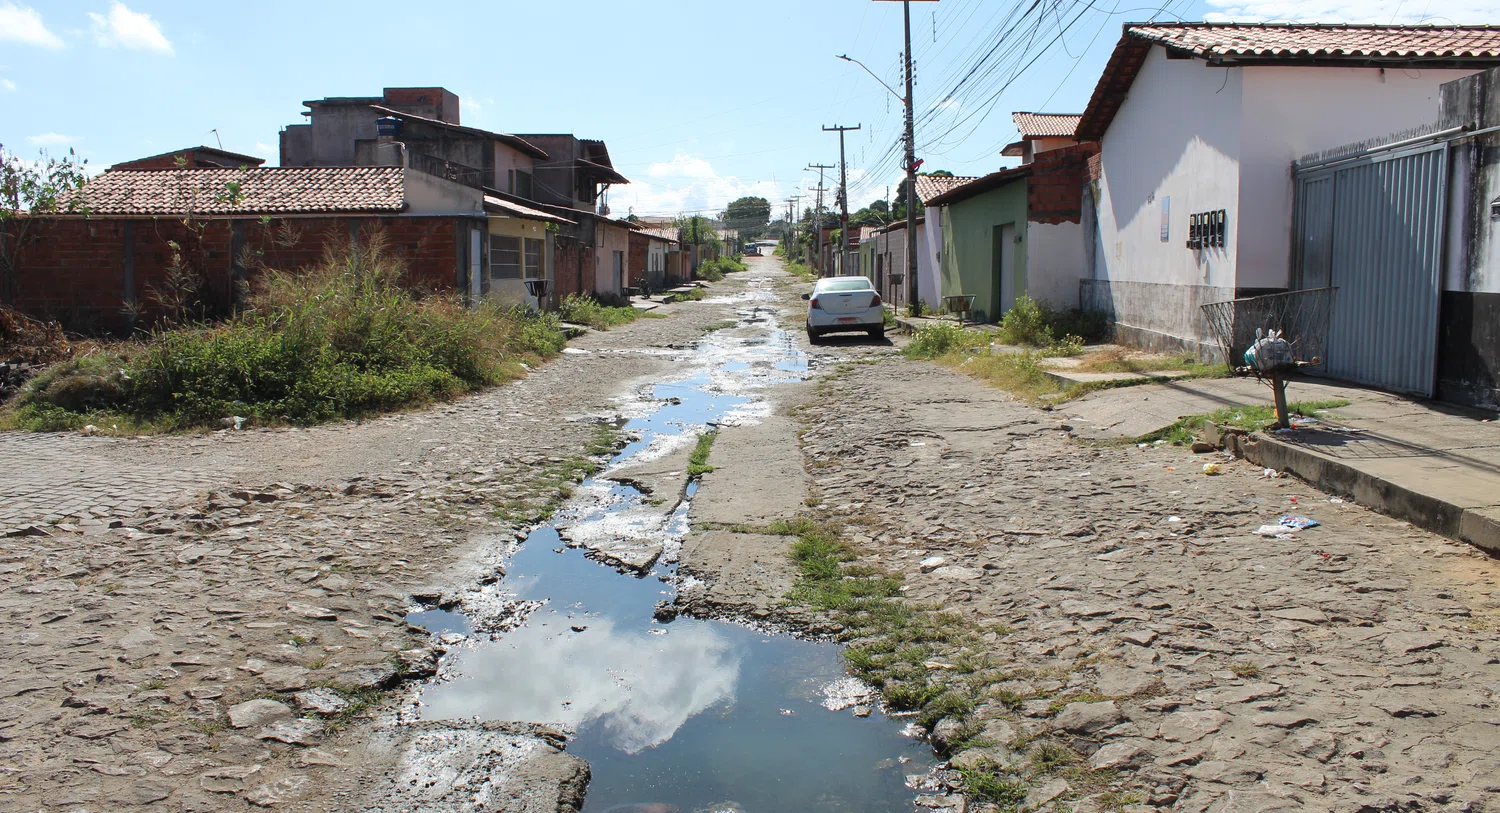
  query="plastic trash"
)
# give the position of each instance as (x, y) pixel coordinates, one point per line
(1298, 523)
(1270, 474)
(1273, 531)
(1212, 468)
(1336, 500)
(1269, 352)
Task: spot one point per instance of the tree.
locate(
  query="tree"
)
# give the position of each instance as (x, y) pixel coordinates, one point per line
(28, 190)
(748, 215)
(899, 211)
(876, 214)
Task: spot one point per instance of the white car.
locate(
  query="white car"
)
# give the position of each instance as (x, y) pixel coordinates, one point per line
(839, 304)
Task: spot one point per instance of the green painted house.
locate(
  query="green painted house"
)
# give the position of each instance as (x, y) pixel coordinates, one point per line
(1017, 232)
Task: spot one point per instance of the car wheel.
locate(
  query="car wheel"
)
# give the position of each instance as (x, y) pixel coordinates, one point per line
(877, 332)
(812, 336)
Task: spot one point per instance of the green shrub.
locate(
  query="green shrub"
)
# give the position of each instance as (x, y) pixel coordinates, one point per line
(585, 310)
(1036, 324)
(715, 269)
(83, 385)
(342, 340)
(942, 338)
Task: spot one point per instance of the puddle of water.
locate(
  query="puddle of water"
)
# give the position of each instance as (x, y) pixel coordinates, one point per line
(685, 715)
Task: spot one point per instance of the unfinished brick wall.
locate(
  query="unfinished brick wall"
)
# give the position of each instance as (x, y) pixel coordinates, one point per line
(1054, 191)
(635, 263)
(75, 270)
(568, 271)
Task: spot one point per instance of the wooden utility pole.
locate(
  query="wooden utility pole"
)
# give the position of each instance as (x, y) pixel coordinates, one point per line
(843, 197)
(818, 218)
(913, 303)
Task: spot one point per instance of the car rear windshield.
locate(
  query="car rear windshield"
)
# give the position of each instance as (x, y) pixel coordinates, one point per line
(851, 284)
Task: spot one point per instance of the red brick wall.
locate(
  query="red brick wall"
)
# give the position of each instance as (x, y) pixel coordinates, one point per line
(1054, 192)
(635, 264)
(74, 269)
(567, 267)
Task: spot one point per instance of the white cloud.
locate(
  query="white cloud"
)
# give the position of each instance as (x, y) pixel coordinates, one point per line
(687, 183)
(24, 25)
(264, 150)
(6, 84)
(1355, 11)
(134, 30)
(51, 140)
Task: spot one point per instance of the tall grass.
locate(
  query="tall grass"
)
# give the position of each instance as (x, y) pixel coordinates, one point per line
(344, 339)
(582, 309)
(715, 269)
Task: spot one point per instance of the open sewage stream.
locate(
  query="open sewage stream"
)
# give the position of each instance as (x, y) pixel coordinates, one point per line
(683, 715)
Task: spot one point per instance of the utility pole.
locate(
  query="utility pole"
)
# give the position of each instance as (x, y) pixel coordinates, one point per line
(818, 216)
(913, 303)
(843, 197)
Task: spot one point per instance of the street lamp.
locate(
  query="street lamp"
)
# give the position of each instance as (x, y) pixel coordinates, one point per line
(913, 303)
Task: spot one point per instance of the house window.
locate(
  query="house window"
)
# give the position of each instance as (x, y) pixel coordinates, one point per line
(533, 259)
(523, 185)
(505, 257)
(586, 189)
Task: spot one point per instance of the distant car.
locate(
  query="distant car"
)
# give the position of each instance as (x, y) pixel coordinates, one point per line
(841, 304)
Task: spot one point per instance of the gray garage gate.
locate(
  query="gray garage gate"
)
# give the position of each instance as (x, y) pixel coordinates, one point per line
(1372, 227)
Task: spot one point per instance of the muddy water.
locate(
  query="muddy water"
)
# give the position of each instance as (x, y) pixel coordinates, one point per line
(690, 715)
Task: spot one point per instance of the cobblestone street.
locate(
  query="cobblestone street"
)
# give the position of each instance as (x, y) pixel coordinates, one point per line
(213, 622)
(1351, 666)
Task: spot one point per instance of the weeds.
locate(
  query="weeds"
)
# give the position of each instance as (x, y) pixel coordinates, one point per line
(1244, 669)
(942, 339)
(725, 325)
(1037, 324)
(890, 640)
(585, 310)
(345, 339)
(715, 269)
(698, 461)
(1249, 418)
(802, 271)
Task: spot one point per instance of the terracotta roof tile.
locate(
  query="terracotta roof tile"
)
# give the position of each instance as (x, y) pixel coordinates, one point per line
(1324, 40)
(1046, 125)
(1336, 44)
(930, 186)
(266, 190)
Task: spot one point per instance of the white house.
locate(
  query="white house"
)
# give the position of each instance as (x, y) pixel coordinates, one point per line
(1200, 123)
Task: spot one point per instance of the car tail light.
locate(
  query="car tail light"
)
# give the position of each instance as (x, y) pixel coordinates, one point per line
(875, 301)
(813, 303)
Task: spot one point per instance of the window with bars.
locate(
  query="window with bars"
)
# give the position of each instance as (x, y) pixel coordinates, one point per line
(505, 257)
(533, 259)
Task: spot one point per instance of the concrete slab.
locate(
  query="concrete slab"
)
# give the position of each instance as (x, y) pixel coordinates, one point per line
(1069, 378)
(742, 574)
(1434, 465)
(757, 476)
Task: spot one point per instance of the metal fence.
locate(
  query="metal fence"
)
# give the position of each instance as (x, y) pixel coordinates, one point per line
(1302, 316)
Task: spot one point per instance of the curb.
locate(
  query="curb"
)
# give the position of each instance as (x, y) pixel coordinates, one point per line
(1335, 477)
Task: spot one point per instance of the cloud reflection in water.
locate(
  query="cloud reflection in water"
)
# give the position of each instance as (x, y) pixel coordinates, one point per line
(640, 688)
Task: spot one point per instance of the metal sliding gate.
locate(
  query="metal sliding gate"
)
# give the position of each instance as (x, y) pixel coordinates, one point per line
(1372, 227)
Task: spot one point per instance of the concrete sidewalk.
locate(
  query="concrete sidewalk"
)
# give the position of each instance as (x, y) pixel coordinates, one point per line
(1434, 465)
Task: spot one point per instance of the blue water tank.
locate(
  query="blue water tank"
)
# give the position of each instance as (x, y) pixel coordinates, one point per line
(388, 127)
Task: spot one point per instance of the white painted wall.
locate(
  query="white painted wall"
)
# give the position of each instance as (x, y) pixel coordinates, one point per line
(1177, 135)
(607, 240)
(507, 159)
(1056, 259)
(1290, 112)
(431, 195)
(929, 245)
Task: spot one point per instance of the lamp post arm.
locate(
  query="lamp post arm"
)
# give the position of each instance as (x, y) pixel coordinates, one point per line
(848, 58)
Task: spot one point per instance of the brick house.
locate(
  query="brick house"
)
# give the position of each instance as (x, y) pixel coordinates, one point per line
(559, 175)
(107, 269)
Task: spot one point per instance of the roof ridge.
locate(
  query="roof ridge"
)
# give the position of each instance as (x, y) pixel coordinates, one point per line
(1317, 25)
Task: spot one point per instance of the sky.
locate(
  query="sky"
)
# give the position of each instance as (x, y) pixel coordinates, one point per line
(699, 103)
